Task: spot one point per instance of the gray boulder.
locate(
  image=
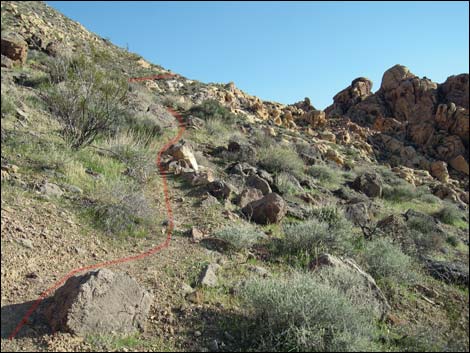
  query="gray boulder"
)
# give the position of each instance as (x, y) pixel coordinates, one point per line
(99, 302)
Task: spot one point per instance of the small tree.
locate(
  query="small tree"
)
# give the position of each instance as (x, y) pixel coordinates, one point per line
(85, 99)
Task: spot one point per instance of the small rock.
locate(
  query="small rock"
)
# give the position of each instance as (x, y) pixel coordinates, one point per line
(208, 276)
(25, 242)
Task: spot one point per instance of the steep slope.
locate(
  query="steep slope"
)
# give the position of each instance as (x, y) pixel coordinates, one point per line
(289, 221)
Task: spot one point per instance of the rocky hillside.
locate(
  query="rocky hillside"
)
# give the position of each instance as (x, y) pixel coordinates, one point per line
(294, 228)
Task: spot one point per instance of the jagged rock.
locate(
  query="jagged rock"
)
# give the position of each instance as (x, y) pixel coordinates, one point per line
(359, 90)
(327, 260)
(449, 272)
(358, 213)
(456, 89)
(99, 302)
(368, 183)
(334, 156)
(14, 48)
(265, 175)
(181, 151)
(51, 189)
(259, 183)
(209, 201)
(439, 171)
(243, 169)
(244, 152)
(219, 189)
(269, 209)
(208, 275)
(249, 195)
(7, 62)
(196, 234)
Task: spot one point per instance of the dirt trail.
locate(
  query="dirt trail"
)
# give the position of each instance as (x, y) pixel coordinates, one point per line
(169, 229)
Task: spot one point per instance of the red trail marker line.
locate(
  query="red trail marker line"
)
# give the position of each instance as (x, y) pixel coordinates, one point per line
(169, 231)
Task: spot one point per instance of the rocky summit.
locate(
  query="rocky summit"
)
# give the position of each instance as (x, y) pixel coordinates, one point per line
(146, 211)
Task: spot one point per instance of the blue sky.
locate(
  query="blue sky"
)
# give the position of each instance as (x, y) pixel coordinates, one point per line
(285, 51)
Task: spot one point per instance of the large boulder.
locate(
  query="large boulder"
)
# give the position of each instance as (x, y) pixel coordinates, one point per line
(456, 90)
(254, 181)
(449, 272)
(269, 209)
(14, 48)
(181, 151)
(460, 164)
(410, 98)
(99, 302)
(248, 195)
(368, 183)
(359, 90)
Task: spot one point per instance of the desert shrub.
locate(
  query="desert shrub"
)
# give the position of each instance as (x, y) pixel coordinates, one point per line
(325, 173)
(8, 107)
(386, 261)
(211, 109)
(144, 127)
(285, 184)
(302, 312)
(122, 208)
(240, 237)
(304, 240)
(84, 99)
(135, 152)
(423, 241)
(332, 215)
(176, 102)
(399, 193)
(429, 198)
(277, 159)
(449, 214)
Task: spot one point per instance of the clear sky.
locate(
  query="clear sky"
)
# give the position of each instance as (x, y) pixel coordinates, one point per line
(285, 51)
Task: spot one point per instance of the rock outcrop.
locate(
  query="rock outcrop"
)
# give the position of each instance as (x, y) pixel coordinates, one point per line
(269, 209)
(99, 302)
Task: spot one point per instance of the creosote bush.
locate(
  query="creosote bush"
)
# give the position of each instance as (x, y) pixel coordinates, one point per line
(303, 241)
(449, 214)
(305, 313)
(277, 159)
(386, 260)
(84, 99)
(211, 109)
(240, 236)
(325, 173)
(122, 208)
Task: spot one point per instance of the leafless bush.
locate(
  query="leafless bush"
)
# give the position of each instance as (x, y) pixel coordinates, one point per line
(84, 99)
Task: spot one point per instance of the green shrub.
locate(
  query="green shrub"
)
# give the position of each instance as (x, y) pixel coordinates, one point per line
(304, 240)
(277, 159)
(122, 208)
(325, 173)
(84, 99)
(302, 312)
(8, 107)
(399, 193)
(135, 152)
(285, 184)
(145, 128)
(449, 214)
(387, 261)
(240, 237)
(211, 109)
(429, 198)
